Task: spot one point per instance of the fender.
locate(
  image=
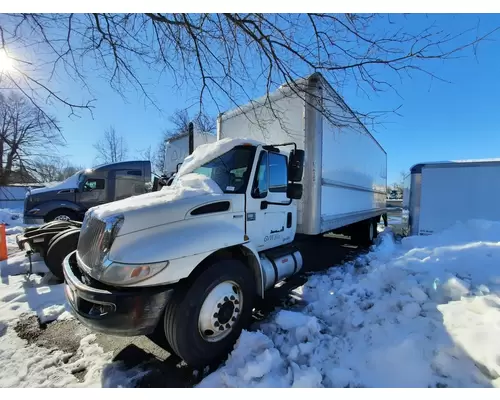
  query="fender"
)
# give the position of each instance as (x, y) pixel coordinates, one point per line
(179, 239)
(48, 206)
(184, 256)
(254, 261)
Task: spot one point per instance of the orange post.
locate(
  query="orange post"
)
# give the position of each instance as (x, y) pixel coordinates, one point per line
(3, 243)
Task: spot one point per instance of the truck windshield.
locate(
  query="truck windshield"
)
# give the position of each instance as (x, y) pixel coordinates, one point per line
(231, 171)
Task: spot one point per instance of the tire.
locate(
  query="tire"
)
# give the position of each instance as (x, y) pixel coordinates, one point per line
(62, 214)
(182, 322)
(59, 247)
(158, 337)
(375, 226)
(49, 240)
(364, 232)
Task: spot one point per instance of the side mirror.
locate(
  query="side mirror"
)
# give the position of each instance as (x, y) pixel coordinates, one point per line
(294, 191)
(296, 165)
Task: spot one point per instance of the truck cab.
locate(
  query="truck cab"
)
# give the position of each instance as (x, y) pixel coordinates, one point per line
(188, 261)
(70, 199)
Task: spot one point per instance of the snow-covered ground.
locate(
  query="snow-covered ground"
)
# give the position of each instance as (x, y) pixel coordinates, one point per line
(423, 312)
(26, 365)
(13, 220)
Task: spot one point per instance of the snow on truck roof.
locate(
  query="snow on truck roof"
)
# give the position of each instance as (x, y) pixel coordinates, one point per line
(209, 151)
(417, 168)
(186, 184)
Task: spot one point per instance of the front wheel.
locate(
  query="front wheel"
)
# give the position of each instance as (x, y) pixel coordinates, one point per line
(203, 322)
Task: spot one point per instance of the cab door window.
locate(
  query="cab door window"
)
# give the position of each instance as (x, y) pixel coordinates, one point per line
(92, 184)
(261, 185)
(278, 175)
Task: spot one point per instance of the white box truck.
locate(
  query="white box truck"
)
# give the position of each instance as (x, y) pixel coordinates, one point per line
(439, 194)
(186, 264)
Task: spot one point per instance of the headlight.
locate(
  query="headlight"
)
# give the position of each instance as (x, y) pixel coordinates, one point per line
(118, 273)
(125, 274)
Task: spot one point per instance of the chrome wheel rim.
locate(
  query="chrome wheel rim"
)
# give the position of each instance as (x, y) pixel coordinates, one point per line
(220, 311)
(62, 218)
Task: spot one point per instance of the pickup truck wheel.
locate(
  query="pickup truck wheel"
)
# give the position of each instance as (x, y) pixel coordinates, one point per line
(204, 320)
(59, 247)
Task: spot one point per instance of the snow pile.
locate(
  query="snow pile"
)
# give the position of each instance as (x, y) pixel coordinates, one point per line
(69, 183)
(32, 296)
(186, 186)
(14, 224)
(207, 152)
(34, 366)
(20, 294)
(420, 313)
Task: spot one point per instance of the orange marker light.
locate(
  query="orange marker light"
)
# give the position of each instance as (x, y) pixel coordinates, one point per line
(140, 272)
(3, 243)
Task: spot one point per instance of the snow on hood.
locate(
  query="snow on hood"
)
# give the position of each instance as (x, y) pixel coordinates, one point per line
(186, 186)
(420, 313)
(70, 183)
(209, 151)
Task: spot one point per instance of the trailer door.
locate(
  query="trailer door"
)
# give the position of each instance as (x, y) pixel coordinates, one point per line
(457, 193)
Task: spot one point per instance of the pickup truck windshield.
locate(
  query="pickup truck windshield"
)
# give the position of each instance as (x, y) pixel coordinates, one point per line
(231, 171)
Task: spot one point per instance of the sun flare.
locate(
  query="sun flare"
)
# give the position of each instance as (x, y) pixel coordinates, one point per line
(6, 63)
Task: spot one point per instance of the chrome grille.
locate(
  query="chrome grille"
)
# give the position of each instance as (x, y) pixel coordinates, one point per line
(91, 241)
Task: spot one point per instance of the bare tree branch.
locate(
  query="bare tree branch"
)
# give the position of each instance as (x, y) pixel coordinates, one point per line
(111, 148)
(225, 58)
(27, 134)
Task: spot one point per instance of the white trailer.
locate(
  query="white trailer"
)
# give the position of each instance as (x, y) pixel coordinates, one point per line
(345, 178)
(187, 263)
(439, 194)
(178, 148)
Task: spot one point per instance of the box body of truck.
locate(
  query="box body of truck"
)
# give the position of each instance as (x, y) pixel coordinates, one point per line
(345, 172)
(439, 194)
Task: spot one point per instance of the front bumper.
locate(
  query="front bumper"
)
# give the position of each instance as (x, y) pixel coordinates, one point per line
(30, 219)
(111, 310)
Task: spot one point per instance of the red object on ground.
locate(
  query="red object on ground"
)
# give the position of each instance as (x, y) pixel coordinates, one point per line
(3, 243)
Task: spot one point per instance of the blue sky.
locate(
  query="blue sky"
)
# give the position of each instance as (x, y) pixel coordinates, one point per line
(438, 121)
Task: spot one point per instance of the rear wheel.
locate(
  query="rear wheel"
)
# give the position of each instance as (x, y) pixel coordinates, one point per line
(375, 227)
(364, 232)
(204, 320)
(59, 247)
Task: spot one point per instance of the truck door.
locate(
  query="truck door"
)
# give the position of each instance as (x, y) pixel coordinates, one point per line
(93, 192)
(273, 225)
